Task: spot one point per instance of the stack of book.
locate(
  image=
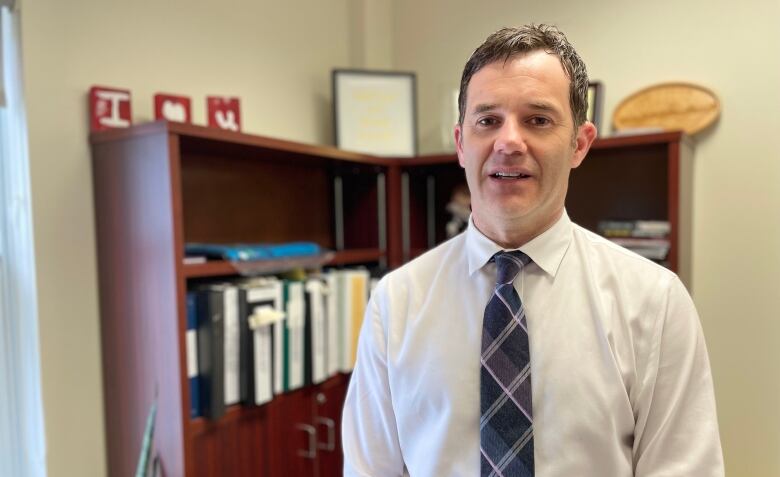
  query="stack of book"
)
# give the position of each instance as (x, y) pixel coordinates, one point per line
(648, 238)
(251, 339)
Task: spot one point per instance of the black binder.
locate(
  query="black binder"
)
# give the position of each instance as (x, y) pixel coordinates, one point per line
(211, 350)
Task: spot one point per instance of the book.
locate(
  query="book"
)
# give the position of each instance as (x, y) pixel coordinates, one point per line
(232, 345)
(251, 294)
(343, 312)
(651, 248)
(353, 290)
(630, 242)
(332, 323)
(262, 308)
(294, 350)
(634, 228)
(211, 353)
(246, 374)
(316, 329)
(359, 283)
(192, 355)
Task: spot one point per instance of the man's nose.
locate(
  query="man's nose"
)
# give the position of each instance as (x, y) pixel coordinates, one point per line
(510, 139)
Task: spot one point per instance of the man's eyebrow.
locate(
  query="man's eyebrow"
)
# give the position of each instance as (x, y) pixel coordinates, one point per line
(543, 106)
(485, 107)
(536, 105)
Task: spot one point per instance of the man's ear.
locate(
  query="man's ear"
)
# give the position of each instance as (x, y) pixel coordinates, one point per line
(459, 144)
(586, 134)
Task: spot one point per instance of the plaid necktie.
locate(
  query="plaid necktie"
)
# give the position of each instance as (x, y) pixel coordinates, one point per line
(506, 424)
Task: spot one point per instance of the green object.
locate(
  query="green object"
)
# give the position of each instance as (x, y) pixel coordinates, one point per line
(286, 337)
(146, 445)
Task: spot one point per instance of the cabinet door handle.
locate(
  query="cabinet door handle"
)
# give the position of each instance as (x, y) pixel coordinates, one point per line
(311, 452)
(331, 425)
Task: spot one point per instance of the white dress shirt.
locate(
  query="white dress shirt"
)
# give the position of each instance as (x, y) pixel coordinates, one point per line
(619, 368)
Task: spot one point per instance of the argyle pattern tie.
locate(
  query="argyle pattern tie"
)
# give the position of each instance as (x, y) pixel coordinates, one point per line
(506, 421)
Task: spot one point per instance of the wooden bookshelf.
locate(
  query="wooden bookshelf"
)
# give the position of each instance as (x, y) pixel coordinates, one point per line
(645, 177)
(160, 185)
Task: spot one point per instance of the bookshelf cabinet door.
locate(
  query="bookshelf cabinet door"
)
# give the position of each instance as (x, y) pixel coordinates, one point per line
(297, 436)
(328, 403)
(240, 443)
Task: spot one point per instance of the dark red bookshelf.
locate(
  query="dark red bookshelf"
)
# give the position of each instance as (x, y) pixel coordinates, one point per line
(160, 185)
(642, 177)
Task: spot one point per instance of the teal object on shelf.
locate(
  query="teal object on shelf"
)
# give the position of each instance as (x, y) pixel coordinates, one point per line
(248, 252)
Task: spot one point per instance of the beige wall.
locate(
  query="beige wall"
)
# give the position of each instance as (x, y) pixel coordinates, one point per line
(734, 48)
(277, 57)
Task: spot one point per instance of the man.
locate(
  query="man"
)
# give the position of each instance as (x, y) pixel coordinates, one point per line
(528, 345)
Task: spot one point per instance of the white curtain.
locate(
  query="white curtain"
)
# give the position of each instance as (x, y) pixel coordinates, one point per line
(22, 439)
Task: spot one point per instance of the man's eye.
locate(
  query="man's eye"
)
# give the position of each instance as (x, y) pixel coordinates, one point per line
(540, 121)
(487, 121)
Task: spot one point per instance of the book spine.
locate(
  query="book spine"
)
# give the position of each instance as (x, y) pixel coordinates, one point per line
(211, 352)
(232, 345)
(192, 355)
(308, 344)
(247, 372)
(287, 339)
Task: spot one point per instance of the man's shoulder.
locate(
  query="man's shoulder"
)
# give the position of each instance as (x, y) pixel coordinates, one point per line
(611, 258)
(638, 288)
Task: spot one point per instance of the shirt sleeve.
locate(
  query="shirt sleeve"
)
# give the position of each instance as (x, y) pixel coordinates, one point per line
(368, 426)
(676, 423)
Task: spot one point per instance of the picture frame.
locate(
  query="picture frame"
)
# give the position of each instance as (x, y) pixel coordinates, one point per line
(595, 104)
(375, 112)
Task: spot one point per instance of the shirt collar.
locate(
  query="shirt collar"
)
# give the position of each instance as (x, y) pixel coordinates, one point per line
(546, 249)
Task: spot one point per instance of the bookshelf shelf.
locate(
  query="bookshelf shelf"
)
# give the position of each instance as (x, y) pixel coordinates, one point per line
(225, 268)
(212, 268)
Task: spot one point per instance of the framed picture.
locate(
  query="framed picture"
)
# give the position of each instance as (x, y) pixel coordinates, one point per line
(595, 100)
(375, 112)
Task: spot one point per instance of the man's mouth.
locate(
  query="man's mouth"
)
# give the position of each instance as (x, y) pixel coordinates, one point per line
(509, 175)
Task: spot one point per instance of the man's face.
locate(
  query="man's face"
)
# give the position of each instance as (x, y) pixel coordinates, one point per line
(518, 144)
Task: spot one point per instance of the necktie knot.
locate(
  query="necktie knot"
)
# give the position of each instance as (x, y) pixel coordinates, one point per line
(508, 265)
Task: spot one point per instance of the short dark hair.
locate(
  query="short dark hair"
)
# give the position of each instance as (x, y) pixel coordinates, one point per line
(507, 43)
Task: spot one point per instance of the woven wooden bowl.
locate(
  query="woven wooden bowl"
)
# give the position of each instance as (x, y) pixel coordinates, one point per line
(670, 106)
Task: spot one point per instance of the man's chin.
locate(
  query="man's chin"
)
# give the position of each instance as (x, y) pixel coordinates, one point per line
(503, 218)
(519, 217)
(514, 213)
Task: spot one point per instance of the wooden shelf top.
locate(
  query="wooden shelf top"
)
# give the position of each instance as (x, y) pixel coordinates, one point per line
(191, 132)
(428, 160)
(659, 138)
(221, 138)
